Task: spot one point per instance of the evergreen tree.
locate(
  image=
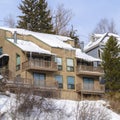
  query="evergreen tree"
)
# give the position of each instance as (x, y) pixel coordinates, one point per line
(111, 64)
(36, 17)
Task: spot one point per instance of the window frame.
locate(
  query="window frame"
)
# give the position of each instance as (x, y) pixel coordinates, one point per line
(60, 68)
(71, 86)
(60, 85)
(89, 85)
(17, 64)
(68, 67)
(38, 79)
(1, 50)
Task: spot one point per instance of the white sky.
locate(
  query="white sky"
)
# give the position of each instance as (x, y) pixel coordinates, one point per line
(86, 13)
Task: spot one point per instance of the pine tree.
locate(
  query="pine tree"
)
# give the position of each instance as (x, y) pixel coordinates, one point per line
(36, 17)
(111, 64)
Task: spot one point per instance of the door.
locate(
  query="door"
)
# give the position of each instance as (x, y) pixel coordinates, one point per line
(88, 83)
(39, 79)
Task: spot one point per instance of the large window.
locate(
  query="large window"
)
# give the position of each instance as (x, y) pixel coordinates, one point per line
(17, 62)
(71, 82)
(70, 65)
(59, 79)
(59, 63)
(88, 83)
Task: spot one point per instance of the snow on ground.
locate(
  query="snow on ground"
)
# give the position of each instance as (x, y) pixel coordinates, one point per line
(69, 107)
(6, 102)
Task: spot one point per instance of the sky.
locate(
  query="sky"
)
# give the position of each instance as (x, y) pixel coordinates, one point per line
(86, 13)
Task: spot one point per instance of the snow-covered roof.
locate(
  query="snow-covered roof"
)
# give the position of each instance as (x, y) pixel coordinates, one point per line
(29, 46)
(84, 56)
(99, 39)
(50, 39)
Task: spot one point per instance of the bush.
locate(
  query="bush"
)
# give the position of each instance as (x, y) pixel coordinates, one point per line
(91, 111)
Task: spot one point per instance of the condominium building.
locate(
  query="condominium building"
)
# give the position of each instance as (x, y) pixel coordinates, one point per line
(49, 61)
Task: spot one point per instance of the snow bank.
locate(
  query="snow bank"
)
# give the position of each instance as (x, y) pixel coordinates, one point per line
(70, 109)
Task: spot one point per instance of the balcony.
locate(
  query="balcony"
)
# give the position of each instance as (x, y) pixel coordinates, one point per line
(89, 70)
(95, 90)
(35, 64)
(26, 83)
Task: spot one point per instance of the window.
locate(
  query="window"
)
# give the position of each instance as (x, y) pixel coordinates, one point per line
(95, 64)
(59, 63)
(70, 65)
(39, 79)
(88, 83)
(71, 82)
(17, 62)
(1, 51)
(59, 79)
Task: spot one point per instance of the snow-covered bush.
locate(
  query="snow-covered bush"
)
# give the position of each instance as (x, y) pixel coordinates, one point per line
(91, 111)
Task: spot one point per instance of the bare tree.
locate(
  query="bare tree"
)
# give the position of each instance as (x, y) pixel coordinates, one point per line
(9, 21)
(90, 111)
(61, 20)
(28, 106)
(105, 25)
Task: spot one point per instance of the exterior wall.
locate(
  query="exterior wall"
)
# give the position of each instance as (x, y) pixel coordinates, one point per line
(64, 54)
(69, 94)
(2, 37)
(8, 34)
(12, 50)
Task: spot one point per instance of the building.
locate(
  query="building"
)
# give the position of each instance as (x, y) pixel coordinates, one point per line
(97, 43)
(49, 61)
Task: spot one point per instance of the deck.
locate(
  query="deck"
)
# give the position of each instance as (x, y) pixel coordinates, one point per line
(35, 64)
(89, 70)
(99, 90)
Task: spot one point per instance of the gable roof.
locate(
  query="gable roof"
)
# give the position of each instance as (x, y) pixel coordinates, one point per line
(50, 39)
(99, 39)
(84, 56)
(29, 46)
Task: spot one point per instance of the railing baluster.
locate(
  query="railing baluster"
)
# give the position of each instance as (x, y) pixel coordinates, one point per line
(89, 68)
(39, 64)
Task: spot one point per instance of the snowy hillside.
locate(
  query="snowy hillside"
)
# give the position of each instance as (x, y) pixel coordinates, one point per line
(52, 109)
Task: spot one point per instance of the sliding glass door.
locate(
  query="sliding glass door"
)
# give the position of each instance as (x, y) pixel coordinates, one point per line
(88, 83)
(39, 79)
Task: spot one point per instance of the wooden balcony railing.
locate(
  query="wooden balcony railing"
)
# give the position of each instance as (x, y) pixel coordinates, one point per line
(84, 69)
(23, 82)
(35, 64)
(99, 89)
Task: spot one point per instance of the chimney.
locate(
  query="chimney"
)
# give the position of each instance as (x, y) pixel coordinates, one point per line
(82, 45)
(15, 36)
